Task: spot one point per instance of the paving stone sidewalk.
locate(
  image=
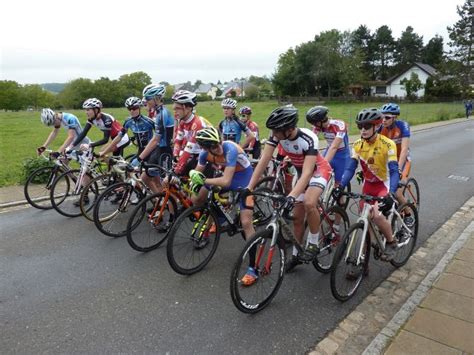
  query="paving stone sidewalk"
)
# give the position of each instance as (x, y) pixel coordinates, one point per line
(398, 311)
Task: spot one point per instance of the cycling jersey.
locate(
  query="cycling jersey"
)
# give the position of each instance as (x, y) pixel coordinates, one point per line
(378, 161)
(254, 146)
(231, 129)
(69, 121)
(185, 141)
(164, 126)
(233, 156)
(396, 132)
(336, 129)
(142, 128)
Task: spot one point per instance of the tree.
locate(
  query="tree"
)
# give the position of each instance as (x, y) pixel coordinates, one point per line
(11, 97)
(383, 45)
(411, 86)
(284, 81)
(361, 45)
(134, 83)
(408, 48)
(433, 52)
(461, 35)
(35, 96)
(76, 92)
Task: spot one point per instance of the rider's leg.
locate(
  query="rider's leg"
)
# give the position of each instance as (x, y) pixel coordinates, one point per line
(200, 198)
(381, 221)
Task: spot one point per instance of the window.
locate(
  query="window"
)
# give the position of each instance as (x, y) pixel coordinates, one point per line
(380, 89)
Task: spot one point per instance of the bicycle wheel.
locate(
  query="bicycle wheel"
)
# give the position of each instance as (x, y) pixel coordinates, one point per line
(344, 200)
(411, 192)
(114, 208)
(271, 183)
(151, 221)
(269, 265)
(37, 188)
(405, 237)
(193, 240)
(334, 224)
(262, 207)
(65, 193)
(346, 273)
(91, 192)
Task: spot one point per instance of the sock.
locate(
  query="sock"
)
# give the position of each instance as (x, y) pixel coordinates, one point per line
(313, 238)
(295, 251)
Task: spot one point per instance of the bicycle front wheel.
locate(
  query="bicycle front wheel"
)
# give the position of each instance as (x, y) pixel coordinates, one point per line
(411, 192)
(66, 192)
(114, 208)
(37, 188)
(406, 236)
(151, 221)
(193, 240)
(334, 224)
(269, 264)
(91, 192)
(347, 269)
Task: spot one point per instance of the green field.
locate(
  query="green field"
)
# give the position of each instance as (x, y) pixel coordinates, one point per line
(22, 132)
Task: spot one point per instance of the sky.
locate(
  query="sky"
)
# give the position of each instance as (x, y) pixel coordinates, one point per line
(176, 41)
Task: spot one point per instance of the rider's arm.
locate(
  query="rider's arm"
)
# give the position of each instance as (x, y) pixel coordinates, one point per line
(309, 165)
(52, 135)
(152, 144)
(394, 175)
(111, 147)
(349, 171)
(69, 139)
(265, 158)
(82, 135)
(102, 141)
(332, 150)
(403, 152)
(249, 136)
(225, 179)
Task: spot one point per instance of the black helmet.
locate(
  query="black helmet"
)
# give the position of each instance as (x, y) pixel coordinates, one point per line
(283, 118)
(369, 115)
(317, 114)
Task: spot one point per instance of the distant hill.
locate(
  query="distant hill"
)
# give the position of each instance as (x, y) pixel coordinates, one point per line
(54, 87)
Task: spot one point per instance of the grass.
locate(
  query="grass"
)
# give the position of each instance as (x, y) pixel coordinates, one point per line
(22, 132)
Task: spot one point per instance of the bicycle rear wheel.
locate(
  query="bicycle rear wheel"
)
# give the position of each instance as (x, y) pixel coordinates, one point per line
(269, 265)
(65, 193)
(151, 221)
(334, 224)
(411, 192)
(346, 273)
(193, 240)
(114, 208)
(37, 188)
(405, 237)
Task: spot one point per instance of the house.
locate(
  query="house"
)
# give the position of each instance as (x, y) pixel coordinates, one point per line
(235, 86)
(393, 87)
(207, 89)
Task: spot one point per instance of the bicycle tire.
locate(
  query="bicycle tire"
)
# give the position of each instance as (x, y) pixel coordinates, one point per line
(53, 172)
(263, 208)
(112, 209)
(337, 268)
(328, 240)
(95, 187)
(201, 218)
(411, 192)
(268, 182)
(407, 250)
(142, 222)
(63, 199)
(269, 281)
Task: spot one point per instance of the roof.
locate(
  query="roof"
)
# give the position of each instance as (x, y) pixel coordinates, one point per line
(203, 88)
(428, 69)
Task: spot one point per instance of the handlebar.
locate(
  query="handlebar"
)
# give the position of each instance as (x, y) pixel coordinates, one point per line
(367, 198)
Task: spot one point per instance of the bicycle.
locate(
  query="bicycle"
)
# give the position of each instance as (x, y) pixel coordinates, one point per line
(411, 191)
(37, 192)
(328, 199)
(266, 251)
(195, 235)
(66, 189)
(159, 211)
(351, 260)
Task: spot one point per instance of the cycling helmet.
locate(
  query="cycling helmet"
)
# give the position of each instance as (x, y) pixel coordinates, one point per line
(92, 103)
(154, 90)
(229, 103)
(282, 118)
(133, 102)
(317, 114)
(245, 110)
(47, 116)
(369, 115)
(391, 108)
(185, 97)
(208, 137)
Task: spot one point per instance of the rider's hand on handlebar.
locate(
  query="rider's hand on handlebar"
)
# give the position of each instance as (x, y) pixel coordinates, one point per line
(386, 204)
(337, 193)
(84, 147)
(40, 150)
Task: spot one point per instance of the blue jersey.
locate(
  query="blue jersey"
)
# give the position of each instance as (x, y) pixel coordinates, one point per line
(233, 156)
(231, 129)
(142, 128)
(69, 121)
(164, 126)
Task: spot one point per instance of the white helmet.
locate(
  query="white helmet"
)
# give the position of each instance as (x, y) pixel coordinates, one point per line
(229, 103)
(185, 97)
(92, 103)
(47, 116)
(133, 102)
(154, 90)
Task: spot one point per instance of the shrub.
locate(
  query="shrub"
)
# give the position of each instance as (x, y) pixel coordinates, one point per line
(32, 164)
(443, 115)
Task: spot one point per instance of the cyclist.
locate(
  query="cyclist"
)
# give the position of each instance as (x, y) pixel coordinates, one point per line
(158, 150)
(231, 127)
(236, 167)
(106, 123)
(253, 147)
(337, 152)
(399, 132)
(186, 150)
(377, 155)
(313, 171)
(57, 119)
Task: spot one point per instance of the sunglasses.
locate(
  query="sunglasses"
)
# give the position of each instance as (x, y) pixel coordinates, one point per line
(365, 126)
(243, 115)
(388, 117)
(133, 108)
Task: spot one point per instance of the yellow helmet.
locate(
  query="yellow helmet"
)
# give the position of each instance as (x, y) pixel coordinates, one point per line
(208, 137)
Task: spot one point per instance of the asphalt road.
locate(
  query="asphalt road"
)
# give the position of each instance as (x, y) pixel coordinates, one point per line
(66, 288)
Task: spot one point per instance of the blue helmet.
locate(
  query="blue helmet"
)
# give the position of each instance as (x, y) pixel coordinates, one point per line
(153, 90)
(392, 108)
